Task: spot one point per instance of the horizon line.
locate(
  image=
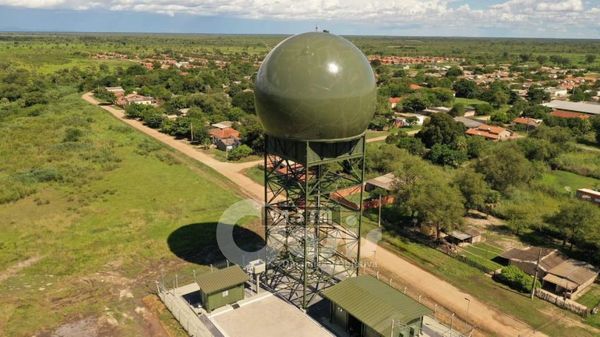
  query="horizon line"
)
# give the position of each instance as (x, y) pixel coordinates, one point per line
(25, 31)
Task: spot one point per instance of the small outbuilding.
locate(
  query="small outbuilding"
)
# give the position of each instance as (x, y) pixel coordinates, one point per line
(364, 306)
(222, 287)
(463, 238)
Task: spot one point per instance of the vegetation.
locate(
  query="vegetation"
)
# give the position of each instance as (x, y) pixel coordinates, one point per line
(516, 278)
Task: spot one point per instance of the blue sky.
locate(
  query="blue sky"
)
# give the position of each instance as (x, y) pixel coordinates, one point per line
(510, 18)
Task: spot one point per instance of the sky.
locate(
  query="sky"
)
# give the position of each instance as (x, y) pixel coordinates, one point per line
(486, 18)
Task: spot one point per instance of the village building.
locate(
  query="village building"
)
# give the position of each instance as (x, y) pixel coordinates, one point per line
(394, 101)
(527, 122)
(559, 275)
(434, 110)
(568, 114)
(557, 93)
(586, 108)
(588, 195)
(117, 91)
(136, 98)
(412, 118)
(489, 132)
(224, 136)
(468, 122)
(464, 238)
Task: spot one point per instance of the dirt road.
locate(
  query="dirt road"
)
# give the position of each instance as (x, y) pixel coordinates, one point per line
(452, 298)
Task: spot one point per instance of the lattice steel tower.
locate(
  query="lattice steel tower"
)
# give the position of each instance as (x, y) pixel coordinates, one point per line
(315, 96)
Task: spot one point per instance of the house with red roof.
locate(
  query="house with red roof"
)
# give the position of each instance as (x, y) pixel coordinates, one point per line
(224, 136)
(490, 132)
(568, 114)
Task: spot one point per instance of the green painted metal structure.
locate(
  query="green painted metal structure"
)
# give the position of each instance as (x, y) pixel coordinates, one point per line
(317, 87)
(377, 306)
(315, 96)
(222, 287)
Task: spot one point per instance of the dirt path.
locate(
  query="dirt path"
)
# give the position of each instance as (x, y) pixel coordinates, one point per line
(452, 298)
(14, 269)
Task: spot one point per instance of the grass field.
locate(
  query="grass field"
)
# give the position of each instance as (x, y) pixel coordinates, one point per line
(591, 299)
(92, 242)
(255, 173)
(566, 182)
(468, 101)
(482, 254)
(585, 163)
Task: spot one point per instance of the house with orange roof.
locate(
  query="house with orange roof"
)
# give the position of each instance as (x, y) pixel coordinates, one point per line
(490, 132)
(224, 136)
(527, 121)
(568, 114)
(394, 101)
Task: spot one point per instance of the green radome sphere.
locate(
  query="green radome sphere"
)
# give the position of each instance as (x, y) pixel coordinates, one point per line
(315, 86)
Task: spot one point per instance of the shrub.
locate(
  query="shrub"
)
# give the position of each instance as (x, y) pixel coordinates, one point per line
(239, 152)
(516, 279)
(73, 135)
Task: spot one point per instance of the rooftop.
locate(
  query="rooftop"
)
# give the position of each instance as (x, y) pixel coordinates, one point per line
(568, 114)
(375, 303)
(221, 279)
(224, 133)
(585, 107)
(385, 181)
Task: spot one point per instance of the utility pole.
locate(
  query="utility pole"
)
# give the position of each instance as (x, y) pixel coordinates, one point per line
(379, 217)
(192, 131)
(537, 268)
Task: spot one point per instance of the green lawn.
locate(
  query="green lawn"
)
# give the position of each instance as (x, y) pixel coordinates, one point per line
(375, 133)
(482, 255)
(222, 156)
(468, 101)
(255, 173)
(591, 298)
(117, 210)
(563, 181)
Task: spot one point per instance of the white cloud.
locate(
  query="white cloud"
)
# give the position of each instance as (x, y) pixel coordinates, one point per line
(525, 15)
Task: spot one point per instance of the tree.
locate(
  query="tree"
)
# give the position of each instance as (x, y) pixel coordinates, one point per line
(504, 167)
(245, 101)
(578, 94)
(416, 102)
(476, 145)
(386, 158)
(595, 122)
(441, 129)
(575, 220)
(445, 155)
(239, 152)
(483, 109)
(427, 197)
(465, 88)
(590, 58)
(251, 132)
(474, 189)
(404, 141)
(458, 109)
(454, 71)
(537, 95)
